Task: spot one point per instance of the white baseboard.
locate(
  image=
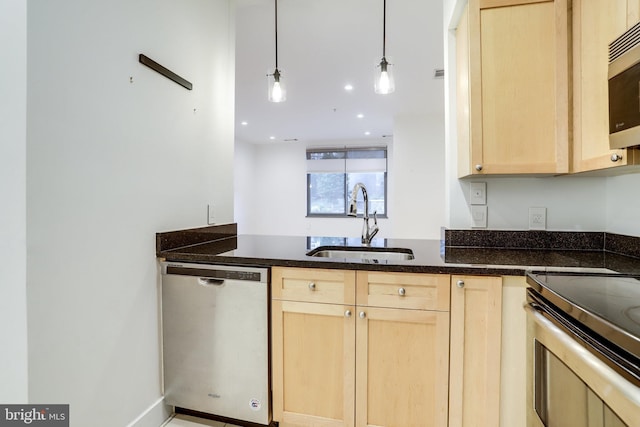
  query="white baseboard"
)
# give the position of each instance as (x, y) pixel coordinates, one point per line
(154, 416)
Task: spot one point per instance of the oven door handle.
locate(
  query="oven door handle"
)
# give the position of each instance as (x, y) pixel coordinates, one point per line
(539, 315)
(582, 361)
(535, 306)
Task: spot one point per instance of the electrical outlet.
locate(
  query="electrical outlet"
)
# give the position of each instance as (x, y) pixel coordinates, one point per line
(478, 193)
(211, 217)
(479, 216)
(537, 218)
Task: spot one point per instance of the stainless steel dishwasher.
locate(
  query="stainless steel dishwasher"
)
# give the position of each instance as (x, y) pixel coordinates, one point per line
(215, 331)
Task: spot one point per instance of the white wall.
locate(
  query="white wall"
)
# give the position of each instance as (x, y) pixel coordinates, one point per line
(271, 194)
(416, 191)
(573, 203)
(623, 204)
(267, 184)
(111, 161)
(271, 197)
(13, 181)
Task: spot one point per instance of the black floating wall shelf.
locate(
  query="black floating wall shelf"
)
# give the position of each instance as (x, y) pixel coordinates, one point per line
(164, 71)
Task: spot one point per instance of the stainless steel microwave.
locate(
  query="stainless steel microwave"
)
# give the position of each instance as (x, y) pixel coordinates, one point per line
(624, 89)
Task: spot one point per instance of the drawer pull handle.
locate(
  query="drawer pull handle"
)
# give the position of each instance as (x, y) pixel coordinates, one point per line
(347, 313)
(363, 314)
(460, 284)
(401, 292)
(312, 286)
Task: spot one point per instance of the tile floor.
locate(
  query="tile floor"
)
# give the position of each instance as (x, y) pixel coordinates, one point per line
(181, 420)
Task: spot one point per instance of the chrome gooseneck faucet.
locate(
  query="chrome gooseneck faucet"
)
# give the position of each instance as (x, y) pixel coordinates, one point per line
(367, 232)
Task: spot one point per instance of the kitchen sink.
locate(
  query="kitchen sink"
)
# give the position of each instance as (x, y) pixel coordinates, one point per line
(363, 253)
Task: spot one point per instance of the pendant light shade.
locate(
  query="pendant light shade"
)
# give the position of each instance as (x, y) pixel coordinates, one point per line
(276, 87)
(384, 82)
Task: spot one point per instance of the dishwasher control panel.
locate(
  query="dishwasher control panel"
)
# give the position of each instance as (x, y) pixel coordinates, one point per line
(225, 272)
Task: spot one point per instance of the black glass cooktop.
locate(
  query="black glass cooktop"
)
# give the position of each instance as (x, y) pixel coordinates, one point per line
(607, 303)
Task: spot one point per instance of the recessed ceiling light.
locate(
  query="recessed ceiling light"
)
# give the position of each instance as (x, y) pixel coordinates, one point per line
(348, 87)
(272, 138)
(244, 123)
(360, 115)
(367, 133)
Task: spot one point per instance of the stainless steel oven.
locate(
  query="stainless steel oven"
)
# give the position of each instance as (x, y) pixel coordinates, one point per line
(583, 350)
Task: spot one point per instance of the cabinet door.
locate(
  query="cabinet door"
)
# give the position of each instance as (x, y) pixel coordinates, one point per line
(463, 94)
(313, 360)
(595, 24)
(518, 87)
(633, 12)
(476, 317)
(401, 367)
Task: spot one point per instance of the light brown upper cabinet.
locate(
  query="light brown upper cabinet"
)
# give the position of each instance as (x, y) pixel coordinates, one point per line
(596, 23)
(513, 87)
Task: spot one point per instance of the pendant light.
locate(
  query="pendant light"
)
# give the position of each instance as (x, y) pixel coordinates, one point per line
(384, 83)
(277, 92)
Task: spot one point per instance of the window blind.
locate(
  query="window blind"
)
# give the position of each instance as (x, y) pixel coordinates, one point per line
(347, 160)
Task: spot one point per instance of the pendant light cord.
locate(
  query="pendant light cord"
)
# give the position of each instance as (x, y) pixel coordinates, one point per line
(276, 1)
(384, 27)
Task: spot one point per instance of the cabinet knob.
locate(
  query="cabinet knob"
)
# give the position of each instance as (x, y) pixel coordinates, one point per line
(460, 284)
(615, 157)
(401, 292)
(478, 168)
(347, 313)
(363, 314)
(312, 286)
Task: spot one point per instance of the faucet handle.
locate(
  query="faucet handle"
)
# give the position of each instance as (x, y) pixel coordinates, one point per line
(373, 230)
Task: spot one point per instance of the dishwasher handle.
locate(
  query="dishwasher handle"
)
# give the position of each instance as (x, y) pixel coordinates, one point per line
(208, 281)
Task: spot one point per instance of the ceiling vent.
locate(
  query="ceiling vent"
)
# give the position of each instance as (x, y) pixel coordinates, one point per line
(438, 73)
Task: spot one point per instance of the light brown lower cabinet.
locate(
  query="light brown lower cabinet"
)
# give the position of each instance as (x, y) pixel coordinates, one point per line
(384, 351)
(354, 365)
(475, 364)
(401, 367)
(313, 369)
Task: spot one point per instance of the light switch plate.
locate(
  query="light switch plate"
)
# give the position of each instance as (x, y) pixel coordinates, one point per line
(211, 217)
(478, 193)
(479, 216)
(537, 218)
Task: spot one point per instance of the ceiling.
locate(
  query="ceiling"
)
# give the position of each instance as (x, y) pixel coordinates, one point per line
(324, 45)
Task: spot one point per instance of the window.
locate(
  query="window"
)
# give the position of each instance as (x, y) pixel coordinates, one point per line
(333, 172)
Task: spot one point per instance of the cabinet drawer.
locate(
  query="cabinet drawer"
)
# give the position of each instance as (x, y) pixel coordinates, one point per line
(403, 290)
(313, 285)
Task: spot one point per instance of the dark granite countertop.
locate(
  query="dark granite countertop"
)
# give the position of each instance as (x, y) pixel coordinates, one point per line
(450, 255)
